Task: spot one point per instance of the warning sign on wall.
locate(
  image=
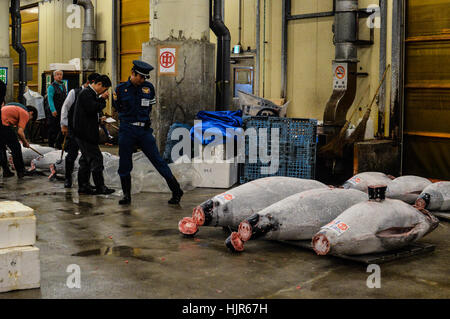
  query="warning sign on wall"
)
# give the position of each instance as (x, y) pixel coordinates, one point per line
(340, 71)
(167, 61)
(4, 75)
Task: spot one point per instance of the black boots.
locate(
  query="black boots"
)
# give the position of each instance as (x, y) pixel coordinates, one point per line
(68, 180)
(126, 188)
(86, 189)
(100, 188)
(176, 191)
(7, 173)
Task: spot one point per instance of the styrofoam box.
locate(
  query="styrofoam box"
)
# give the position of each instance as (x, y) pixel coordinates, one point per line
(19, 268)
(10, 209)
(215, 175)
(19, 231)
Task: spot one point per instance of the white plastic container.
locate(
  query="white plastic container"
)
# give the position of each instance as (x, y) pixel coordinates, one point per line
(19, 231)
(216, 175)
(19, 268)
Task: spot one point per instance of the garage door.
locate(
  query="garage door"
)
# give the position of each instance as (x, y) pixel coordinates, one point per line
(134, 30)
(30, 40)
(427, 89)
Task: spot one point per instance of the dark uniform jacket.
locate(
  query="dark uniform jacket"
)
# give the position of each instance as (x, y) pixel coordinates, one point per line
(134, 104)
(86, 115)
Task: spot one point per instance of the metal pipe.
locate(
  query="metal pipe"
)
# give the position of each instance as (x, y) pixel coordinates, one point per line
(240, 23)
(17, 45)
(398, 73)
(264, 52)
(223, 75)
(345, 37)
(310, 15)
(286, 12)
(115, 48)
(258, 45)
(89, 35)
(383, 41)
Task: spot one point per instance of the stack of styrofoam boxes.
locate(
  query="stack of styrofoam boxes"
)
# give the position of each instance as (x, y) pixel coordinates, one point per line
(19, 259)
(213, 171)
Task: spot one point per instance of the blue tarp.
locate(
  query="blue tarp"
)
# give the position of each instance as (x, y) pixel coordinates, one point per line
(170, 143)
(216, 122)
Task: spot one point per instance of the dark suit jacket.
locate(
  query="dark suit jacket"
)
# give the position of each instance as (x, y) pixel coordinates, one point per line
(86, 115)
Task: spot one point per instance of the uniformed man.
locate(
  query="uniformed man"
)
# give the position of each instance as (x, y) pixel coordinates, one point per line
(133, 100)
(56, 95)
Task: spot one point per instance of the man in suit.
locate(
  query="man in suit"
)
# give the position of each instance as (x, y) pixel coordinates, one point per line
(90, 102)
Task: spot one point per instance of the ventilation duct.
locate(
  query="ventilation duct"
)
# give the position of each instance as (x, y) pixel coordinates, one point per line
(345, 30)
(89, 35)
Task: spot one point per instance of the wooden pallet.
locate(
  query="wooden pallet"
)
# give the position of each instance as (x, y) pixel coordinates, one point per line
(378, 258)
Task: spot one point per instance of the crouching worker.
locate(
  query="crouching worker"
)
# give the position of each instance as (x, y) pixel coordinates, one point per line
(133, 100)
(13, 116)
(90, 102)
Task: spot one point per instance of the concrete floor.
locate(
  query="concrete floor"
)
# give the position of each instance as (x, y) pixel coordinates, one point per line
(137, 252)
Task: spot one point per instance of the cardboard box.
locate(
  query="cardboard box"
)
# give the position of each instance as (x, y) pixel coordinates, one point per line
(19, 268)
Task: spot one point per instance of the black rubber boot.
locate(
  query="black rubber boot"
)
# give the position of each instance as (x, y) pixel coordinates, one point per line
(68, 180)
(126, 188)
(86, 190)
(100, 188)
(7, 173)
(177, 193)
(22, 174)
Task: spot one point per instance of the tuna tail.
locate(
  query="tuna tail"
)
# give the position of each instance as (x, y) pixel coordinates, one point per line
(321, 244)
(423, 201)
(234, 242)
(202, 214)
(256, 226)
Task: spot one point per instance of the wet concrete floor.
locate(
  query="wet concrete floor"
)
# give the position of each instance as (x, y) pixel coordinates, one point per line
(137, 252)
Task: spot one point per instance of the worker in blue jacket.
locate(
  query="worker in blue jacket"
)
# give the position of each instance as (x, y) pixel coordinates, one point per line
(133, 100)
(56, 95)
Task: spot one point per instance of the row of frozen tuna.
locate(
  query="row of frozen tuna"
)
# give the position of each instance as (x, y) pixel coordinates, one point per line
(339, 221)
(145, 177)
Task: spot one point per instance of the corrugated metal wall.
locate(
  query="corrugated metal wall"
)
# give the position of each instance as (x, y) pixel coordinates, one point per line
(134, 30)
(427, 89)
(30, 40)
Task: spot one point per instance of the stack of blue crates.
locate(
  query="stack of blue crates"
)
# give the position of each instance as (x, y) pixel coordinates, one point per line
(297, 147)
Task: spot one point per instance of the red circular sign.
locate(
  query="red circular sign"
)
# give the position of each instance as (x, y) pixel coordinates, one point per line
(167, 59)
(340, 72)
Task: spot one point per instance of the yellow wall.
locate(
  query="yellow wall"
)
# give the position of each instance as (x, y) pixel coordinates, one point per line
(58, 43)
(310, 55)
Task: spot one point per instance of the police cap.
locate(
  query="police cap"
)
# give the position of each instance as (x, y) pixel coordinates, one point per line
(142, 68)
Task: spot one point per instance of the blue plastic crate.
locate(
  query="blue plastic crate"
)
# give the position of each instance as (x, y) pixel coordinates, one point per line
(297, 147)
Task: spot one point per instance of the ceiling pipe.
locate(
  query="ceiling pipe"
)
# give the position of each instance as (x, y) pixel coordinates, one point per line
(18, 46)
(89, 35)
(345, 30)
(223, 91)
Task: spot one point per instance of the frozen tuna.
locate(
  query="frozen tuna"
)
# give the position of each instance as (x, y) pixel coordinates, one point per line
(374, 226)
(28, 154)
(435, 197)
(406, 188)
(362, 181)
(297, 217)
(235, 205)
